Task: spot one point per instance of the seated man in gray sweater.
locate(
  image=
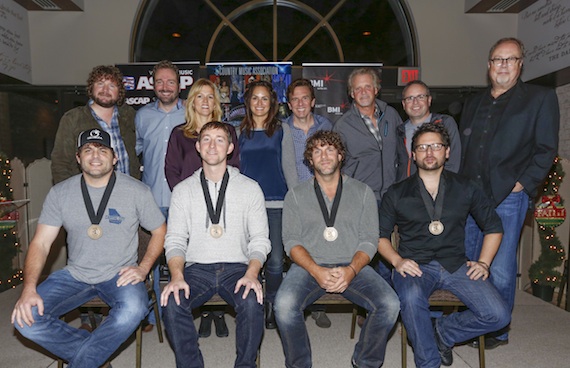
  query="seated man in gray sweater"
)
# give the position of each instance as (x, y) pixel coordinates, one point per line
(217, 241)
(330, 231)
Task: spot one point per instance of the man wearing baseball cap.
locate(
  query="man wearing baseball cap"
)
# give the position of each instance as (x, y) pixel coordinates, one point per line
(101, 210)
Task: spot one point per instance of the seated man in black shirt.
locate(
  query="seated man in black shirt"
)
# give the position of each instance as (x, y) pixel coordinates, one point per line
(430, 209)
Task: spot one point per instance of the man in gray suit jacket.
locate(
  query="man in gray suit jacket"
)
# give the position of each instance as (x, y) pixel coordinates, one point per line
(509, 138)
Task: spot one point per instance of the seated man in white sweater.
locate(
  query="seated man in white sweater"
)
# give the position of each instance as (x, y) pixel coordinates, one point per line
(217, 242)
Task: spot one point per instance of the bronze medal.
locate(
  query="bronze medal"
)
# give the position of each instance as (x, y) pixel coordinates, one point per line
(94, 232)
(216, 231)
(436, 227)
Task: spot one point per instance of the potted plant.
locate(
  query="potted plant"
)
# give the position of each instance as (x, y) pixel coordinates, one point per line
(542, 273)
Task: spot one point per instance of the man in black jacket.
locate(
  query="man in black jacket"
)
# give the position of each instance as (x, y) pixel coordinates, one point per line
(509, 138)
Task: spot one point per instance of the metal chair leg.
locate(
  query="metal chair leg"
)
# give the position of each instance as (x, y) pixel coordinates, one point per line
(482, 351)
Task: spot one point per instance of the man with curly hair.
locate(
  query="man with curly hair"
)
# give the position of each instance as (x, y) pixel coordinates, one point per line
(105, 110)
(330, 231)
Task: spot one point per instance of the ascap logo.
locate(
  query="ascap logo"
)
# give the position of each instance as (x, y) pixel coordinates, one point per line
(137, 100)
(145, 83)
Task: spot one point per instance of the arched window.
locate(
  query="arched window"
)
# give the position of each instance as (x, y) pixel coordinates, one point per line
(275, 30)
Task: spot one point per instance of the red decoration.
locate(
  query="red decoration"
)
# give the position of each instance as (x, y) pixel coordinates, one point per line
(550, 212)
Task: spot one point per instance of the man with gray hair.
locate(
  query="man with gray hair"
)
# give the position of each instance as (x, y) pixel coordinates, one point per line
(509, 138)
(368, 131)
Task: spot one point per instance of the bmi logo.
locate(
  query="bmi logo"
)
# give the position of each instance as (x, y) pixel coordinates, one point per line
(318, 83)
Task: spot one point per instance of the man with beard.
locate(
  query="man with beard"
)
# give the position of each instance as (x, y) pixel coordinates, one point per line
(105, 110)
(509, 138)
(330, 231)
(101, 211)
(303, 123)
(154, 123)
(430, 209)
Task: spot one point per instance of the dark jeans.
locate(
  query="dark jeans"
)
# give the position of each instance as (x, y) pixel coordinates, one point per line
(274, 264)
(487, 311)
(368, 290)
(205, 280)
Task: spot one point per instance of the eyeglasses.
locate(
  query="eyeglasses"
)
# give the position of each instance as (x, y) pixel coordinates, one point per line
(510, 60)
(433, 146)
(411, 99)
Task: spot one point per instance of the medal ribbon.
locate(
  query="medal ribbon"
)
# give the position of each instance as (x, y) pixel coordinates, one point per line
(433, 212)
(214, 216)
(329, 219)
(96, 218)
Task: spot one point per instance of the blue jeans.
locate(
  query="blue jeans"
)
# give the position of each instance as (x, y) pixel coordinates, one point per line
(512, 211)
(61, 293)
(487, 311)
(274, 264)
(368, 290)
(205, 280)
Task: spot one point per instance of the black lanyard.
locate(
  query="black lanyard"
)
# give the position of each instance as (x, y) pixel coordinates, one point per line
(214, 216)
(329, 219)
(96, 218)
(434, 212)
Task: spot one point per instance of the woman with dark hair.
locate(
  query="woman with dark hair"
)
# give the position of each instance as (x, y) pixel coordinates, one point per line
(262, 158)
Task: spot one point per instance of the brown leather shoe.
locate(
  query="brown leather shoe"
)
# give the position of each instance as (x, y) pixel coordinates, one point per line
(148, 328)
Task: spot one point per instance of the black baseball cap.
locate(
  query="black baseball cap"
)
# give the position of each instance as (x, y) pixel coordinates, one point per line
(94, 136)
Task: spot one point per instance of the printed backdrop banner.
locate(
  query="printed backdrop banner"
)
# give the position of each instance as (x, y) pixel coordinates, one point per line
(231, 80)
(137, 78)
(330, 84)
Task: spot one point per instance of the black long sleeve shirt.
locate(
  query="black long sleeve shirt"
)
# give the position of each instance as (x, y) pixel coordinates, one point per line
(402, 205)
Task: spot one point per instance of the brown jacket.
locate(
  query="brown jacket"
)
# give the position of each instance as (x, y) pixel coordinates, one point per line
(63, 162)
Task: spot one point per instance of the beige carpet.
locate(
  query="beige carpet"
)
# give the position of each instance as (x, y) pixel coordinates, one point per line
(540, 337)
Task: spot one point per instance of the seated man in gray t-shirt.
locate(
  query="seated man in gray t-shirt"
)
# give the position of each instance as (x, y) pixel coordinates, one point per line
(101, 210)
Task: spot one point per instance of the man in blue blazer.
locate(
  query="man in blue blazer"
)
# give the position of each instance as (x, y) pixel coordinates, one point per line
(509, 138)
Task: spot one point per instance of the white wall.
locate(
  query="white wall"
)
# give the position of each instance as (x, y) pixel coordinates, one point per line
(66, 45)
(454, 46)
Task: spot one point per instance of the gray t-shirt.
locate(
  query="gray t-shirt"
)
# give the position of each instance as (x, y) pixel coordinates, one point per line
(95, 261)
(356, 222)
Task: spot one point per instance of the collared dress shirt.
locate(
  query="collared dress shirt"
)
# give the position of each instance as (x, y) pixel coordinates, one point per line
(153, 127)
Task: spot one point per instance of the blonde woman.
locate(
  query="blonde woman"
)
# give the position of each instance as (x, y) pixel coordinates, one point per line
(202, 106)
